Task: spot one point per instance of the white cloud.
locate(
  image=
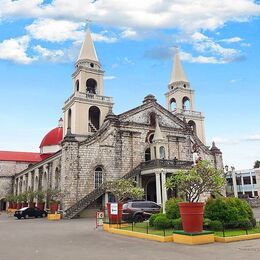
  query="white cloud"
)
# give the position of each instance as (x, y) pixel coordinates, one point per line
(232, 40)
(129, 34)
(50, 55)
(55, 30)
(14, 49)
(109, 77)
(187, 15)
(103, 37)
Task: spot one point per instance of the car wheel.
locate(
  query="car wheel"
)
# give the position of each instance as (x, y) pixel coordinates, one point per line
(19, 217)
(43, 215)
(26, 216)
(138, 218)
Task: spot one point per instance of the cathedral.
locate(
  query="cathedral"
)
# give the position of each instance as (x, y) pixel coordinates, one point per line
(92, 145)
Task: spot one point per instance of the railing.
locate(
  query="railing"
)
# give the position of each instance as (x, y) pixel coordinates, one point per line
(186, 112)
(173, 164)
(90, 96)
(95, 194)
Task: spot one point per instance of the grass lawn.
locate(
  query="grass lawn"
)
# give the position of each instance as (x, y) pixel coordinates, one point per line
(142, 228)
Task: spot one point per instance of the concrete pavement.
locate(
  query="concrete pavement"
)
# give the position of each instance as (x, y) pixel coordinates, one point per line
(40, 239)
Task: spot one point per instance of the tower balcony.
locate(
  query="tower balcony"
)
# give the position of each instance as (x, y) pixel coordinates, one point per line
(184, 112)
(89, 97)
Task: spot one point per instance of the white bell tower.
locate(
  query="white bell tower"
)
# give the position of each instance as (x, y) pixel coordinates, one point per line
(85, 111)
(180, 99)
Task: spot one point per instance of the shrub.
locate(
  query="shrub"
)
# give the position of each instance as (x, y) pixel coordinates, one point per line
(215, 225)
(228, 210)
(153, 217)
(176, 224)
(206, 222)
(162, 222)
(172, 208)
(245, 224)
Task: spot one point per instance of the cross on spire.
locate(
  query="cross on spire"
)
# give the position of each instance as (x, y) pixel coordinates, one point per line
(88, 21)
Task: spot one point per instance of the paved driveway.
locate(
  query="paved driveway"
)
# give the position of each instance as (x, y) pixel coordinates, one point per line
(40, 239)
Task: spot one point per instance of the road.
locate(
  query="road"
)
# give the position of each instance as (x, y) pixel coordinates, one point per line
(40, 239)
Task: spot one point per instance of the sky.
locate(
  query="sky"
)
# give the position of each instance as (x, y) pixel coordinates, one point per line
(219, 45)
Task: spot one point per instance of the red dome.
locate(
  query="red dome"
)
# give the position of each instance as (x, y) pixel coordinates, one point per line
(54, 137)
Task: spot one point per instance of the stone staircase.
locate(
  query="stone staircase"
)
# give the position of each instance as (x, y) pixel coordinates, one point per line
(95, 194)
(92, 127)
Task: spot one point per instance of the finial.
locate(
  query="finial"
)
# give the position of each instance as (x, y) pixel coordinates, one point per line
(60, 124)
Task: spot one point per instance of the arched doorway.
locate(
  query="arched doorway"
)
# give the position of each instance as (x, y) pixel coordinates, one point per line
(151, 190)
(94, 118)
(3, 204)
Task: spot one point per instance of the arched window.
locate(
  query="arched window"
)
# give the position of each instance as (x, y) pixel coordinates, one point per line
(192, 124)
(173, 104)
(77, 85)
(94, 118)
(69, 118)
(147, 156)
(186, 103)
(91, 85)
(152, 119)
(162, 152)
(98, 177)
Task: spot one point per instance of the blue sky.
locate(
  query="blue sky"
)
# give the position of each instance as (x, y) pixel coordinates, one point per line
(219, 46)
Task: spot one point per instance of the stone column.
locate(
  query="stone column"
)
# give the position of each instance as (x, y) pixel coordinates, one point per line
(234, 183)
(242, 184)
(164, 191)
(158, 187)
(252, 184)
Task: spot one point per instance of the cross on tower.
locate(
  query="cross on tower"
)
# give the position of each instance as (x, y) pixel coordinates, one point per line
(88, 21)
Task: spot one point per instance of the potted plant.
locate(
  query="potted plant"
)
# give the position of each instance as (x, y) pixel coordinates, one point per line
(30, 198)
(40, 195)
(54, 197)
(19, 201)
(24, 199)
(122, 189)
(191, 184)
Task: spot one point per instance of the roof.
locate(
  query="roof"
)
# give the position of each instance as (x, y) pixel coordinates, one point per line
(88, 51)
(20, 156)
(54, 137)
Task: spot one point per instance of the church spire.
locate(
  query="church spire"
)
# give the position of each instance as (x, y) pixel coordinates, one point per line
(158, 136)
(88, 51)
(177, 74)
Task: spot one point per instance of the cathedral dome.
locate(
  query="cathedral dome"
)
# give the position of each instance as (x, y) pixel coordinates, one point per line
(54, 137)
(50, 144)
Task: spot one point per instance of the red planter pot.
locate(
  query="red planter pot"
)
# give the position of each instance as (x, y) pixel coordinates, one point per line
(31, 204)
(18, 205)
(54, 207)
(114, 216)
(14, 205)
(40, 205)
(25, 204)
(192, 216)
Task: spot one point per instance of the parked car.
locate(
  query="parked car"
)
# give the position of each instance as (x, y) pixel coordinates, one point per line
(30, 212)
(138, 211)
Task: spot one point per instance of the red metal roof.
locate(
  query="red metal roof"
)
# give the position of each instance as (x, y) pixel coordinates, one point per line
(54, 137)
(20, 156)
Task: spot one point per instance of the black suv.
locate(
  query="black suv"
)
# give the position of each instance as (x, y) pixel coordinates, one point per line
(30, 212)
(138, 211)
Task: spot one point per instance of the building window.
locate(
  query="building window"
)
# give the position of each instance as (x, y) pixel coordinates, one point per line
(254, 179)
(186, 103)
(147, 154)
(98, 177)
(162, 152)
(247, 180)
(173, 104)
(153, 119)
(91, 85)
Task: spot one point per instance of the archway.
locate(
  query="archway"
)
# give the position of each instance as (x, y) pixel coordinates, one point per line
(3, 204)
(91, 85)
(192, 124)
(173, 104)
(151, 190)
(186, 103)
(94, 118)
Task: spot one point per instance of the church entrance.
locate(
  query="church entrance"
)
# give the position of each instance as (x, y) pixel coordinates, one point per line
(151, 190)
(2, 204)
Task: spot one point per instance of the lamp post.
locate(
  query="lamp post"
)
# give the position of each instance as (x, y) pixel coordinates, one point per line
(230, 171)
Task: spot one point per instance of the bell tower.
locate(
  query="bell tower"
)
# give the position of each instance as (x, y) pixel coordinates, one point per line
(85, 111)
(180, 99)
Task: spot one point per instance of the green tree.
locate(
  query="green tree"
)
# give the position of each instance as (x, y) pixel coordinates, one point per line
(197, 180)
(257, 164)
(124, 189)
